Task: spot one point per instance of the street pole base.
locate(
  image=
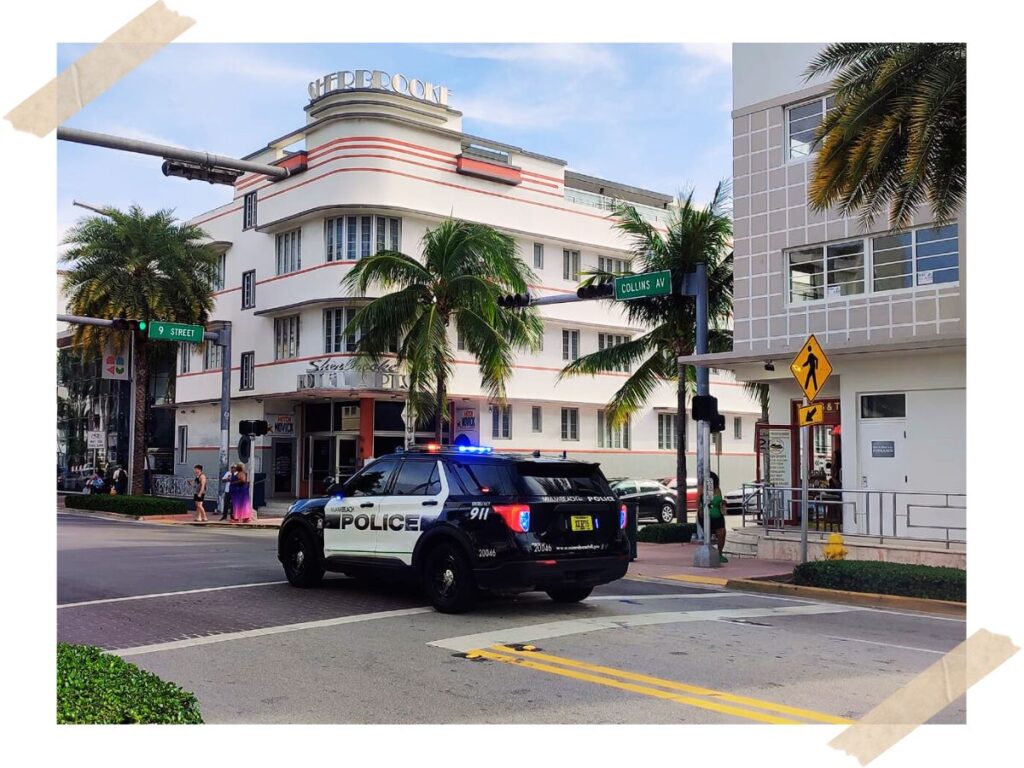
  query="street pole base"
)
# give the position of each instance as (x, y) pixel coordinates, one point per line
(706, 557)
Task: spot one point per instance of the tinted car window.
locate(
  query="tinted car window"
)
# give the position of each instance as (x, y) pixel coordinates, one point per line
(417, 478)
(373, 480)
(624, 487)
(479, 479)
(561, 479)
(649, 487)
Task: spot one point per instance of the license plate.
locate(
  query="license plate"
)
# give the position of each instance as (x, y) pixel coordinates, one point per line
(582, 523)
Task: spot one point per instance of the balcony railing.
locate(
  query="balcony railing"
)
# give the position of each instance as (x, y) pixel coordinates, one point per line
(605, 203)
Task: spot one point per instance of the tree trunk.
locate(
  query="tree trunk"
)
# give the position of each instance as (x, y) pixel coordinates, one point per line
(681, 447)
(440, 407)
(140, 373)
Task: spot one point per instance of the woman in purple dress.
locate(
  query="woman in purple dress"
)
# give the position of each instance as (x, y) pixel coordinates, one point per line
(241, 507)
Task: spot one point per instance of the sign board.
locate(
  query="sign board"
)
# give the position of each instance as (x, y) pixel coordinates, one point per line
(883, 449)
(643, 286)
(811, 368)
(193, 334)
(115, 362)
(96, 440)
(282, 425)
(811, 414)
(467, 423)
(377, 80)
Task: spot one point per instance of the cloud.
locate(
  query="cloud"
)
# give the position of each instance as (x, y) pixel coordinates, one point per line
(578, 57)
(717, 54)
(234, 64)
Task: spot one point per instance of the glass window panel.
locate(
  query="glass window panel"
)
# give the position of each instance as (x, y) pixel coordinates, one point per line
(937, 247)
(806, 275)
(893, 259)
(936, 233)
(806, 124)
(396, 234)
(805, 110)
(352, 236)
(883, 406)
(846, 268)
(365, 232)
(382, 233)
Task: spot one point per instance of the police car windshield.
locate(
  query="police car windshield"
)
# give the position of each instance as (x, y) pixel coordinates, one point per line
(560, 479)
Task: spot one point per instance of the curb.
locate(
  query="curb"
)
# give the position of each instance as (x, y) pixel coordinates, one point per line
(867, 599)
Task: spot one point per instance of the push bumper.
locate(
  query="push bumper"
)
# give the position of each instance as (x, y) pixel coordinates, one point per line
(552, 573)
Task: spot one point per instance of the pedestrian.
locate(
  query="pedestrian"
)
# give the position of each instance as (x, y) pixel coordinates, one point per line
(95, 483)
(226, 485)
(199, 494)
(120, 480)
(716, 513)
(241, 507)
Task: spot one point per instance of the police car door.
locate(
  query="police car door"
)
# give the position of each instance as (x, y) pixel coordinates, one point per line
(349, 526)
(414, 503)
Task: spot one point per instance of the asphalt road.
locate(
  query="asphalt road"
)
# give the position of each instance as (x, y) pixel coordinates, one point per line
(209, 610)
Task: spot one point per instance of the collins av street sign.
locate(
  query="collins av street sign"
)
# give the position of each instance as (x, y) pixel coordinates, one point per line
(192, 334)
(643, 286)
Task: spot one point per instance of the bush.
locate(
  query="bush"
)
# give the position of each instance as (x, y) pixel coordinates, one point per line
(97, 687)
(884, 578)
(663, 533)
(127, 505)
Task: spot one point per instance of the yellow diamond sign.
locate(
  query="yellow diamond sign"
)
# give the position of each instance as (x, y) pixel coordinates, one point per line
(812, 414)
(811, 368)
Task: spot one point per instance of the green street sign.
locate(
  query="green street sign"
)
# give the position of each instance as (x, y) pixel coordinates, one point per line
(193, 334)
(642, 286)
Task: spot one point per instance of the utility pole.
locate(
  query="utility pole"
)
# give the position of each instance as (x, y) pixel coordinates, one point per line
(697, 285)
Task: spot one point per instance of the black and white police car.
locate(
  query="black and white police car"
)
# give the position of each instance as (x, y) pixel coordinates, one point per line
(463, 520)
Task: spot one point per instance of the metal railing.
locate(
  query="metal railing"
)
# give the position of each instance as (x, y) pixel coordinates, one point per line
(174, 486)
(882, 515)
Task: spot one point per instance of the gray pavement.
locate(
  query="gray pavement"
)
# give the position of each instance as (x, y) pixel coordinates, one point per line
(361, 652)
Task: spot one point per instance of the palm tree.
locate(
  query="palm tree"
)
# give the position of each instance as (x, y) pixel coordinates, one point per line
(898, 132)
(464, 268)
(137, 266)
(695, 235)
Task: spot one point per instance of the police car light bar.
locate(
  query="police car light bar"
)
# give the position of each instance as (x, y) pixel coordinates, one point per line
(475, 449)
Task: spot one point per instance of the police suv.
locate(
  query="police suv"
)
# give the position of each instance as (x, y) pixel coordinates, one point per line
(463, 520)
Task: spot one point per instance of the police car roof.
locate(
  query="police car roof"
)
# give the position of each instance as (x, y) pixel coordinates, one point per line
(454, 452)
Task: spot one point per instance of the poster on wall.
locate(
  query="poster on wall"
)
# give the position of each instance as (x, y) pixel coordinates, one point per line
(115, 362)
(467, 424)
(282, 425)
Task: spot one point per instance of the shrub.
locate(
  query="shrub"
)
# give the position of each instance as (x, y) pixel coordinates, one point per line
(97, 687)
(884, 578)
(127, 505)
(662, 533)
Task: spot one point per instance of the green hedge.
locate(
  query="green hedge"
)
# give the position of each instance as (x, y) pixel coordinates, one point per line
(662, 533)
(97, 687)
(884, 578)
(128, 505)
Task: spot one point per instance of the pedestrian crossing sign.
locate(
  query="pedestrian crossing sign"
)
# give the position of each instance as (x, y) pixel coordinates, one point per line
(811, 368)
(811, 414)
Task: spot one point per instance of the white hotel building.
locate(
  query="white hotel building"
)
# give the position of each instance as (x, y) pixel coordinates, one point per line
(381, 168)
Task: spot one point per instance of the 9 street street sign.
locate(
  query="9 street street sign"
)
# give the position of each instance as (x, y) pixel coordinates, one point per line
(643, 286)
(193, 334)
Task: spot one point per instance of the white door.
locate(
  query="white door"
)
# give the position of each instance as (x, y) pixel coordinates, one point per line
(414, 502)
(883, 466)
(349, 527)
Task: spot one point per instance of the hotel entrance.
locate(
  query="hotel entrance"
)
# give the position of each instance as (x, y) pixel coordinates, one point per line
(330, 456)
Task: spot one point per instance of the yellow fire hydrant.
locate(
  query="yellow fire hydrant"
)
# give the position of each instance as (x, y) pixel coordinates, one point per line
(835, 550)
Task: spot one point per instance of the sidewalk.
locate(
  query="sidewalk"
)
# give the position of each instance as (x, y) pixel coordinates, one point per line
(186, 519)
(675, 562)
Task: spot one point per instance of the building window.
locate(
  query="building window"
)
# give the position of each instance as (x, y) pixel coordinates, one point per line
(538, 255)
(845, 269)
(609, 436)
(335, 338)
(537, 419)
(571, 265)
(249, 289)
(883, 406)
(606, 340)
(802, 123)
(667, 434)
(350, 237)
(737, 428)
(213, 360)
(218, 281)
(248, 371)
(461, 341)
(185, 351)
(289, 252)
(249, 211)
(570, 345)
(570, 423)
(806, 275)
(501, 422)
(365, 235)
(607, 264)
(286, 337)
(183, 444)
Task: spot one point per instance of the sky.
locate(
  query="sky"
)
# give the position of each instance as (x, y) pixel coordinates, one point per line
(649, 115)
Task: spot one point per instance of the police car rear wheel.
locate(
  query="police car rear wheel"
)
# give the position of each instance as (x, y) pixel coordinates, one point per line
(448, 580)
(667, 513)
(303, 565)
(570, 594)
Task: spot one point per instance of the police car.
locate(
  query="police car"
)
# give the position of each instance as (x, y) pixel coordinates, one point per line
(462, 520)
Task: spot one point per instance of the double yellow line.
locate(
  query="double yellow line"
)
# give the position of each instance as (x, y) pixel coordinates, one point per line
(668, 690)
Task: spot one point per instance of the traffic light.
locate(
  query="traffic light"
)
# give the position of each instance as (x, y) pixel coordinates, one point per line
(705, 408)
(260, 428)
(122, 324)
(596, 291)
(514, 301)
(718, 424)
(245, 427)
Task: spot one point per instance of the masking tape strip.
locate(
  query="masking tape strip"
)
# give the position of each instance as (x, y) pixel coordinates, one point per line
(94, 72)
(925, 696)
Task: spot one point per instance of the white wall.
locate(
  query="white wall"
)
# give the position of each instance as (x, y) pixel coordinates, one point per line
(763, 71)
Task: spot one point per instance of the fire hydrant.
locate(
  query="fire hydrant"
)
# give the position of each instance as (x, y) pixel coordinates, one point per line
(835, 550)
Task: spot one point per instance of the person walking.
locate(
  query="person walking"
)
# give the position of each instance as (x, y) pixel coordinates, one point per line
(226, 485)
(199, 494)
(120, 480)
(241, 507)
(717, 517)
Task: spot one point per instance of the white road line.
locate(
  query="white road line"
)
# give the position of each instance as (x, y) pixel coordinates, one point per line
(250, 633)
(679, 596)
(578, 626)
(167, 594)
(887, 645)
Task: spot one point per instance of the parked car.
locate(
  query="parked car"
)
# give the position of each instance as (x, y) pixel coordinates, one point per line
(736, 500)
(74, 480)
(654, 500)
(691, 490)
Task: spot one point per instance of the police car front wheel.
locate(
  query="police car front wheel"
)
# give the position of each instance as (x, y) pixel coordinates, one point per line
(448, 579)
(303, 564)
(570, 594)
